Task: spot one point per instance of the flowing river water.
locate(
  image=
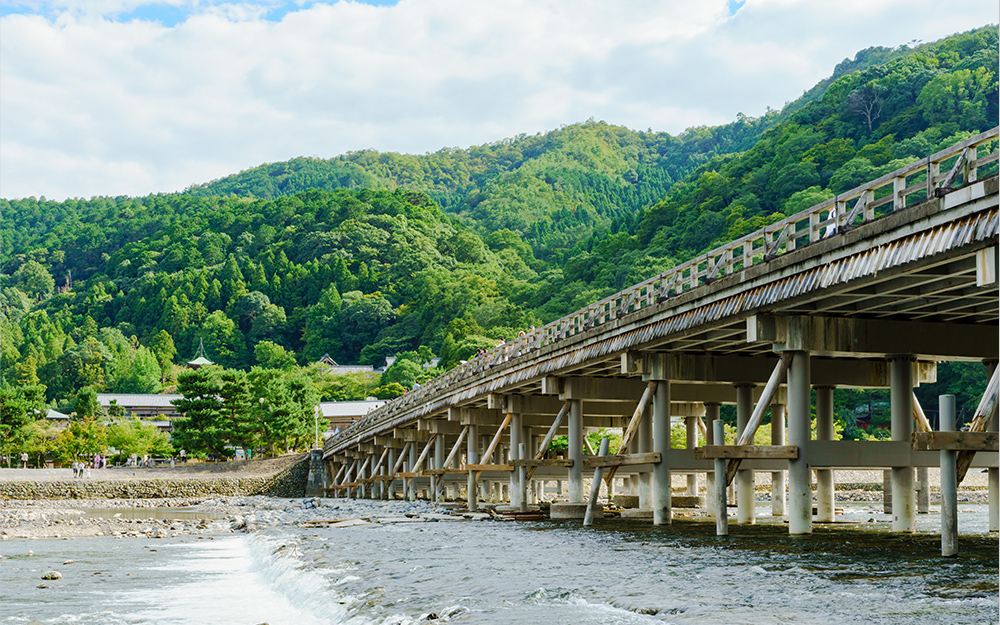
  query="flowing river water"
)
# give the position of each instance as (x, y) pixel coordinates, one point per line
(510, 572)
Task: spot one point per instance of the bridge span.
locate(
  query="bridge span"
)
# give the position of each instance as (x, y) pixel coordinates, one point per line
(867, 290)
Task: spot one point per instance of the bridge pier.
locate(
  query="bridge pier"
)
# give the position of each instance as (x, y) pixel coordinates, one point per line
(825, 505)
(661, 443)
(575, 437)
(644, 481)
(711, 416)
(745, 499)
(778, 477)
(799, 422)
(691, 425)
(516, 431)
(471, 491)
(901, 407)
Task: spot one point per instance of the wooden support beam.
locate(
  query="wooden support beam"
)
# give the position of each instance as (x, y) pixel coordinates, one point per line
(423, 454)
(633, 425)
(747, 452)
(440, 471)
(955, 441)
(399, 460)
(544, 447)
(595, 488)
(378, 465)
(918, 414)
(496, 441)
(458, 445)
(986, 411)
(746, 436)
(541, 462)
(621, 460)
(479, 468)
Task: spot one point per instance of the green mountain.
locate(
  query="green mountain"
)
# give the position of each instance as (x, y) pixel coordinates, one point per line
(369, 254)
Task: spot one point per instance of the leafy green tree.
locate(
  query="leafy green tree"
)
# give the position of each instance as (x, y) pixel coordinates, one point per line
(270, 355)
(34, 280)
(84, 437)
(133, 436)
(20, 406)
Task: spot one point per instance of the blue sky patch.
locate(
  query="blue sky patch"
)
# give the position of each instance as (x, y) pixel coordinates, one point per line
(171, 15)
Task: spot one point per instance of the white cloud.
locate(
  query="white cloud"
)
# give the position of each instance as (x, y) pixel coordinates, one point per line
(93, 105)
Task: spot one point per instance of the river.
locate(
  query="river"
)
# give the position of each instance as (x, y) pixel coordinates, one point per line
(510, 572)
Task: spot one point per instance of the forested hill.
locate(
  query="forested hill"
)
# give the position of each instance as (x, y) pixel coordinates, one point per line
(553, 189)
(445, 252)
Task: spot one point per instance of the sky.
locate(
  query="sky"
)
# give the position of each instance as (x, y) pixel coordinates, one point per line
(132, 97)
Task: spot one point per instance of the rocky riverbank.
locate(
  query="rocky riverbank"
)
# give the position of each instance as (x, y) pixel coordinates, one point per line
(274, 477)
(149, 518)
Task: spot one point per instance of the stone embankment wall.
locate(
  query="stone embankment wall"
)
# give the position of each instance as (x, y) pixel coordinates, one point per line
(289, 482)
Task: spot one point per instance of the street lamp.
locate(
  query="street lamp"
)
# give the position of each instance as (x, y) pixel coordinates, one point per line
(316, 421)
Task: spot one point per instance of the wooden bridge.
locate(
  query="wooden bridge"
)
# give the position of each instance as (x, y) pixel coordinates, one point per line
(867, 290)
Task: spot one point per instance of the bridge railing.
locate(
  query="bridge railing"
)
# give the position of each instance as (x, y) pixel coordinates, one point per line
(914, 183)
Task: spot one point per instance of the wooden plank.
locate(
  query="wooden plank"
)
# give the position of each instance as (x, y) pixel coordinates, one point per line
(545, 462)
(747, 452)
(487, 467)
(440, 471)
(621, 460)
(955, 441)
(408, 474)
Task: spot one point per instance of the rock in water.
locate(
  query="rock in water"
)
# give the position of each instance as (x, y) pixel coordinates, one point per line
(67, 562)
(48, 575)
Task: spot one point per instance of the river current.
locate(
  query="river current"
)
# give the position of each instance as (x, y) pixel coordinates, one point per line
(552, 573)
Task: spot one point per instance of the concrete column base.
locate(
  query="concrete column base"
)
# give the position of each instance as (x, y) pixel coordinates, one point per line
(626, 501)
(683, 501)
(572, 511)
(637, 513)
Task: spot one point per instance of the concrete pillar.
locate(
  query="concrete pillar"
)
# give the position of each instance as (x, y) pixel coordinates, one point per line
(993, 475)
(825, 488)
(901, 405)
(692, 442)
(411, 492)
(799, 422)
(660, 491)
(778, 477)
(923, 489)
(711, 416)
(471, 494)
(744, 477)
(438, 464)
(949, 481)
(516, 431)
(486, 487)
(576, 451)
(390, 461)
(719, 499)
(643, 445)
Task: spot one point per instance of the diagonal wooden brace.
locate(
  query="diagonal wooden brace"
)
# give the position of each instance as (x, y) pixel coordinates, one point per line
(746, 436)
(633, 426)
(986, 411)
(544, 447)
